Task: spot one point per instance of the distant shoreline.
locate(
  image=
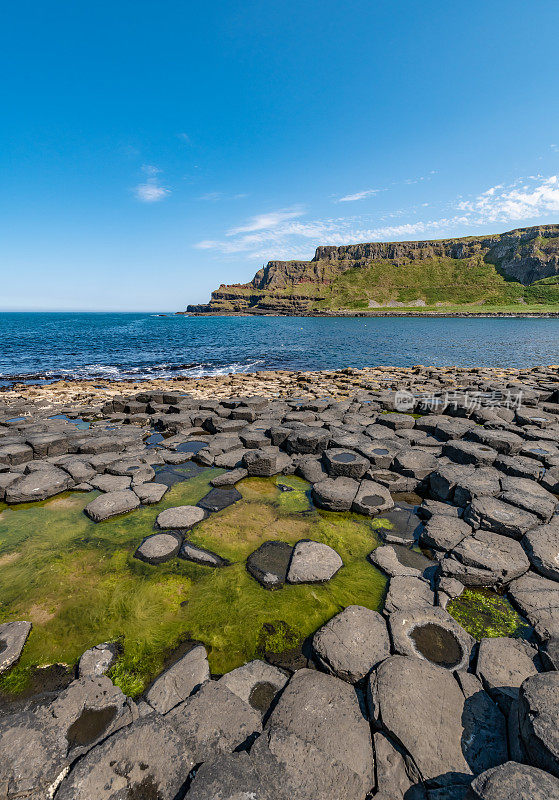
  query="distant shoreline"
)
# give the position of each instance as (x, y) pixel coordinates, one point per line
(379, 313)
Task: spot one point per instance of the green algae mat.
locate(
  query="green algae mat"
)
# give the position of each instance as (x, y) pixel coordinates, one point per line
(79, 585)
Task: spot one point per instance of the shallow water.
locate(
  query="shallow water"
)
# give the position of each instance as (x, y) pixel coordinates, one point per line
(105, 346)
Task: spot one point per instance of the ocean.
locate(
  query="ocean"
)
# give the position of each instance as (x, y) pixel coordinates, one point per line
(103, 346)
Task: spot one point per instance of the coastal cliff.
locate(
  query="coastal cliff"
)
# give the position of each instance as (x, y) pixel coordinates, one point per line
(517, 267)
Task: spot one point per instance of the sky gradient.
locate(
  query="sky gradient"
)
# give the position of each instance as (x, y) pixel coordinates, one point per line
(150, 151)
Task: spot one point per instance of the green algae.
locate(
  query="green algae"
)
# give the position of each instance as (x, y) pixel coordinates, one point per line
(485, 614)
(80, 585)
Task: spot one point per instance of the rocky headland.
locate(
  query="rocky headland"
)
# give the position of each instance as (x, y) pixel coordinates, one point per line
(462, 466)
(517, 271)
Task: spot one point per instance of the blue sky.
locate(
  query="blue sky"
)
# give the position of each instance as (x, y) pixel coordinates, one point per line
(150, 151)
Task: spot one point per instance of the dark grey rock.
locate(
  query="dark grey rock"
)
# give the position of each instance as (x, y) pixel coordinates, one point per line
(499, 517)
(352, 643)
(463, 452)
(484, 741)
(111, 504)
(484, 482)
(372, 498)
(220, 498)
(443, 480)
(179, 517)
(13, 636)
(110, 483)
(399, 561)
(407, 592)
(257, 683)
(502, 665)
(538, 599)
(199, 555)
(230, 478)
(149, 493)
(486, 559)
(308, 441)
(431, 634)
(512, 781)
(430, 508)
(38, 485)
(159, 547)
(269, 564)
(549, 653)
(179, 681)
(97, 660)
(148, 759)
(335, 494)
(342, 463)
(542, 547)
(313, 562)
(539, 720)
(266, 461)
(414, 463)
(442, 532)
(402, 526)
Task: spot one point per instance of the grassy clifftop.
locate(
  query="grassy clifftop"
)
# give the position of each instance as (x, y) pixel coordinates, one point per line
(518, 270)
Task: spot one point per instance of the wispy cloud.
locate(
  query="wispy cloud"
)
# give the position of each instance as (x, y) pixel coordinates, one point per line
(151, 191)
(350, 198)
(184, 137)
(289, 234)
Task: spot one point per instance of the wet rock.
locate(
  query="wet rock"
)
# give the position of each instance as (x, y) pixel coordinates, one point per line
(431, 634)
(538, 599)
(13, 636)
(538, 711)
(218, 499)
(149, 493)
(352, 643)
(323, 711)
(499, 517)
(372, 498)
(406, 592)
(345, 463)
(179, 681)
(313, 562)
(402, 526)
(191, 552)
(399, 561)
(512, 781)
(257, 683)
(110, 483)
(230, 478)
(38, 485)
(159, 547)
(37, 746)
(431, 508)
(335, 494)
(146, 760)
(213, 721)
(486, 559)
(442, 532)
(111, 504)
(502, 665)
(310, 468)
(179, 517)
(421, 706)
(542, 547)
(97, 660)
(269, 564)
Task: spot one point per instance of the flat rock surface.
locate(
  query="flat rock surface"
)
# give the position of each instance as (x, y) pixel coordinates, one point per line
(538, 713)
(542, 547)
(538, 599)
(13, 636)
(502, 665)
(180, 517)
(269, 564)
(513, 781)
(431, 634)
(159, 547)
(352, 643)
(179, 681)
(111, 504)
(313, 562)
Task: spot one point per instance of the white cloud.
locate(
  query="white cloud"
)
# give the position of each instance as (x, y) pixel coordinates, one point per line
(151, 190)
(350, 198)
(288, 234)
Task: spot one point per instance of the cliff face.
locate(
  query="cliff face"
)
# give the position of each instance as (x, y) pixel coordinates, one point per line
(361, 275)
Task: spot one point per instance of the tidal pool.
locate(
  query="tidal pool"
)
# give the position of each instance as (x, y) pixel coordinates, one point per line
(79, 585)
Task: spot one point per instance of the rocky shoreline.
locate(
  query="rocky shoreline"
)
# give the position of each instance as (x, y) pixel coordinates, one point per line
(398, 705)
(377, 313)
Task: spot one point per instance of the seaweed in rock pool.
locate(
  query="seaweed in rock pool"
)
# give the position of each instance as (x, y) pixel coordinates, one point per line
(485, 614)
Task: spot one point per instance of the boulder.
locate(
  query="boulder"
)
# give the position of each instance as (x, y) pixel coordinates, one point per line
(324, 711)
(341, 463)
(159, 547)
(179, 681)
(111, 504)
(502, 666)
(372, 498)
(431, 634)
(443, 480)
(542, 547)
(407, 592)
(486, 559)
(257, 683)
(307, 441)
(179, 517)
(442, 532)
(148, 759)
(335, 494)
(38, 485)
(351, 643)
(97, 660)
(266, 461)
(269, 564)
(13, 636)
(513, 781)
(313, 562)
(230, 478)
(499, 517)
(110, 483)
(149, 493)
(538, 713)
(538, 599)
(214, 721)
